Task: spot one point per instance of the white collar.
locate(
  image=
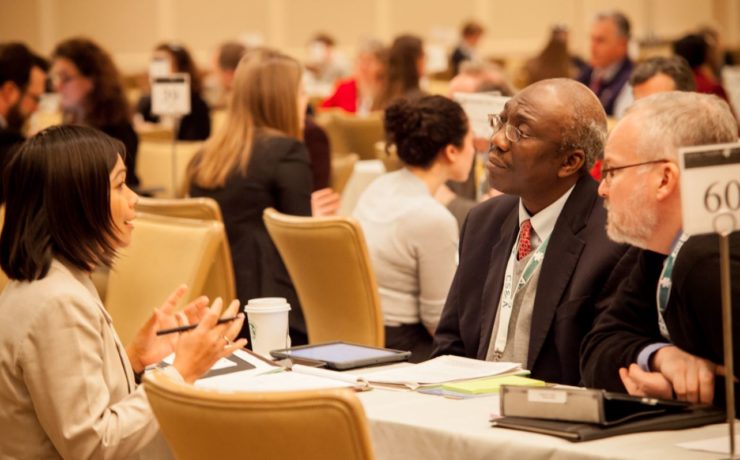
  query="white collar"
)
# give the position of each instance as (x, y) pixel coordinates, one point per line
(544, 221)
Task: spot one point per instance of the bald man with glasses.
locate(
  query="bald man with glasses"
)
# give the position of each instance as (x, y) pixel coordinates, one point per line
(536, 266)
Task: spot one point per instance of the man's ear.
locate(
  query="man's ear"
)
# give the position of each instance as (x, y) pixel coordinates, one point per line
(572, 163)
(669, 181)
(9, 92)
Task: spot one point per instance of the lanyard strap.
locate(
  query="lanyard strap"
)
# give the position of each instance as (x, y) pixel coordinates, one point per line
(663, 292)
(509, 292)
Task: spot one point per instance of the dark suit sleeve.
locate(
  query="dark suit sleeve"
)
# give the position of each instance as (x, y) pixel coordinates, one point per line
(695, 321)
(293, 181)
(317, 144)
(196, 126)
(447, 337)
(626, 322)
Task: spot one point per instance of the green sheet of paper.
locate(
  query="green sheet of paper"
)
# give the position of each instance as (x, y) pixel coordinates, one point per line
(491, 384)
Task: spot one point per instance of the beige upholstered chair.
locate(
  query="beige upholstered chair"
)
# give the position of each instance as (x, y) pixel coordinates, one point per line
(220, 280)
(352, 134)
(164, 253)
(390, 158)
(330, 267)
(306, 425)
(185, 208)
(154, 166)
(341, 170)
(149, 132)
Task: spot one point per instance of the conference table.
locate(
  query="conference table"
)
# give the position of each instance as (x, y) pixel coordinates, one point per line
(407, 425)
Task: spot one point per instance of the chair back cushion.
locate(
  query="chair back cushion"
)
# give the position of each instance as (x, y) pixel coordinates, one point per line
(306, 425)
(164, 253)
(328, 262)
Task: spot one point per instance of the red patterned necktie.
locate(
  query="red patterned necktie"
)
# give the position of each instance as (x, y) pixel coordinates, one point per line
(525, 244)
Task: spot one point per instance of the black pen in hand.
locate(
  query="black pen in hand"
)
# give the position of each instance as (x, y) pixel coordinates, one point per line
(190, 327)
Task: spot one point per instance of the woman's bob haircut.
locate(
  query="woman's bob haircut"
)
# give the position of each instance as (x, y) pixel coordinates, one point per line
(57, 187)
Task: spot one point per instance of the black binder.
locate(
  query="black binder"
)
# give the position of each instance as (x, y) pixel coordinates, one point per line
(576, 432)
(579, 414)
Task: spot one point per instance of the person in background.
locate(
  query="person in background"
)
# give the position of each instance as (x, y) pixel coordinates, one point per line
(554, 61)
(662, 335)
(465, 50)
(68, 386)
(229, 55)
(195, 126)
(661, 74)
(656, 75)
(360, 93)
(406, 64)
(22, 77)
(694, 49)
(325, 65)
(480, 76)
(610, 67)
(536, 265)
(92, 94)
(256, 161)
(718, 55)
(412, 238)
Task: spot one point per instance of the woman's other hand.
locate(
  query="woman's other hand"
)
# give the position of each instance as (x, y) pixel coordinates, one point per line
(199, 349)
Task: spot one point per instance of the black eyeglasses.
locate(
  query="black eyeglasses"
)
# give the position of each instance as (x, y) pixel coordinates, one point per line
(608, 173)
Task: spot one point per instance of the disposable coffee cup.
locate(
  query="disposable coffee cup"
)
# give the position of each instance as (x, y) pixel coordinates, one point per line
(268, 324)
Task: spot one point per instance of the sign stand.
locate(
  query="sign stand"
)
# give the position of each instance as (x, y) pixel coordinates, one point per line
(710, 203)
(171, 97)
(724, 263)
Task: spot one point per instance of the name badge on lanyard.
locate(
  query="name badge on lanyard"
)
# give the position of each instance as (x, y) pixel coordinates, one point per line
(509, 292)
(663, 292)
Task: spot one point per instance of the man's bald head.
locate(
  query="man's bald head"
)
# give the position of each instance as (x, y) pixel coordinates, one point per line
(583, 120)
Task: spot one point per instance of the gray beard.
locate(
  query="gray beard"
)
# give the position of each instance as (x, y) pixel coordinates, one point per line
(635, 225)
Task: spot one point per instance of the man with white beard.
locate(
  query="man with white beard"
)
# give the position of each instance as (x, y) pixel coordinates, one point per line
(661, 337)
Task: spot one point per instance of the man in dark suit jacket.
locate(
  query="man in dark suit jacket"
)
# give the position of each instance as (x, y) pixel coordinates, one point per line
(662, 335)
(22, 76)
(610, 67)
(542, 145)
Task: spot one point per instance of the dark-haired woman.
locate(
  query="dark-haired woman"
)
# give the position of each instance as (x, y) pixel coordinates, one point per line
(68, 387)
(406, 66)
(92, 94)
(411, 237)
(196, 126)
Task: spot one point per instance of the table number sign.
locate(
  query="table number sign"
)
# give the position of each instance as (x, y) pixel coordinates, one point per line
(171, 95)
(710, 201)
(710, 188)
(478, 106)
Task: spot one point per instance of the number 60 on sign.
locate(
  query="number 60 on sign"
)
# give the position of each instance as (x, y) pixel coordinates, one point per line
(710, 188)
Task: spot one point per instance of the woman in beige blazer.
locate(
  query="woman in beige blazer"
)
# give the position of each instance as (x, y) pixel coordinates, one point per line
(68, 387)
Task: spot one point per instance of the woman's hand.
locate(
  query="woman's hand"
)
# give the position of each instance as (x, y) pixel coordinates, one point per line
(199, 349)
(148, 348)
(325, 202)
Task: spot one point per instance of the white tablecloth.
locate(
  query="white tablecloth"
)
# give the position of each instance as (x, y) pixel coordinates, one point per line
(407, 426)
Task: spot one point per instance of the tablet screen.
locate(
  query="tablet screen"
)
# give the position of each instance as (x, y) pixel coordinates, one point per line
(340, 352)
